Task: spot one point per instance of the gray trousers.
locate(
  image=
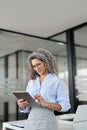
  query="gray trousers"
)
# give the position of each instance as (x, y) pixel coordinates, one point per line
(41, 119)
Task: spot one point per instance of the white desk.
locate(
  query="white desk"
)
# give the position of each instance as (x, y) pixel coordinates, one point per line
(62, 125)
(11, 125)
(65, 125)
(14, 125)
(70, 125)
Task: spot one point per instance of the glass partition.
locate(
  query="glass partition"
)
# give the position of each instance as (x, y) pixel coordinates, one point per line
(81, 63)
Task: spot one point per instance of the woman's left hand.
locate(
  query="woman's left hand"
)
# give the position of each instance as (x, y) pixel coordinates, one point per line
(40, 100)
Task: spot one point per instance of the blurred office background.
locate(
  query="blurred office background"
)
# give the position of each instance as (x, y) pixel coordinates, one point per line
(67, 42)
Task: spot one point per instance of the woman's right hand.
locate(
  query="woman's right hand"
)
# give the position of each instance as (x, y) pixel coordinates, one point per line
(22, 104)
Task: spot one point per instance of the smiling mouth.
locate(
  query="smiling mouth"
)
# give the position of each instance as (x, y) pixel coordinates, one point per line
(39, 72)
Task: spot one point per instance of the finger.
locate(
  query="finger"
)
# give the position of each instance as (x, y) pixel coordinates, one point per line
(24, 104)
(20, 100)
(36, 96)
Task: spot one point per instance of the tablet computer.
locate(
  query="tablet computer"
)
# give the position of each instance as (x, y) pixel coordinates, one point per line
(25, 96)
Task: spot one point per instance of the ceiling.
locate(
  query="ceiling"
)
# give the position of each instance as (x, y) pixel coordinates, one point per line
(11, 42)
(42, 18)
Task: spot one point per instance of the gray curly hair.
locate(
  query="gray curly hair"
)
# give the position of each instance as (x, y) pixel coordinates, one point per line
(45, 56)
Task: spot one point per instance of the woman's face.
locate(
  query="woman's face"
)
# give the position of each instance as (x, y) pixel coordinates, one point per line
(39, 66)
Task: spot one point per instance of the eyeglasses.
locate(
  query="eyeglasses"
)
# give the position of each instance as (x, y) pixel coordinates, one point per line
(37, 65)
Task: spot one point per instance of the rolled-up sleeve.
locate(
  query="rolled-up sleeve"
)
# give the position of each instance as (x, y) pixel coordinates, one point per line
(63, 96)
(26, 110)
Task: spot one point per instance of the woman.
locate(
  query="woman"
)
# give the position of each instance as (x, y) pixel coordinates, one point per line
(47, 89)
